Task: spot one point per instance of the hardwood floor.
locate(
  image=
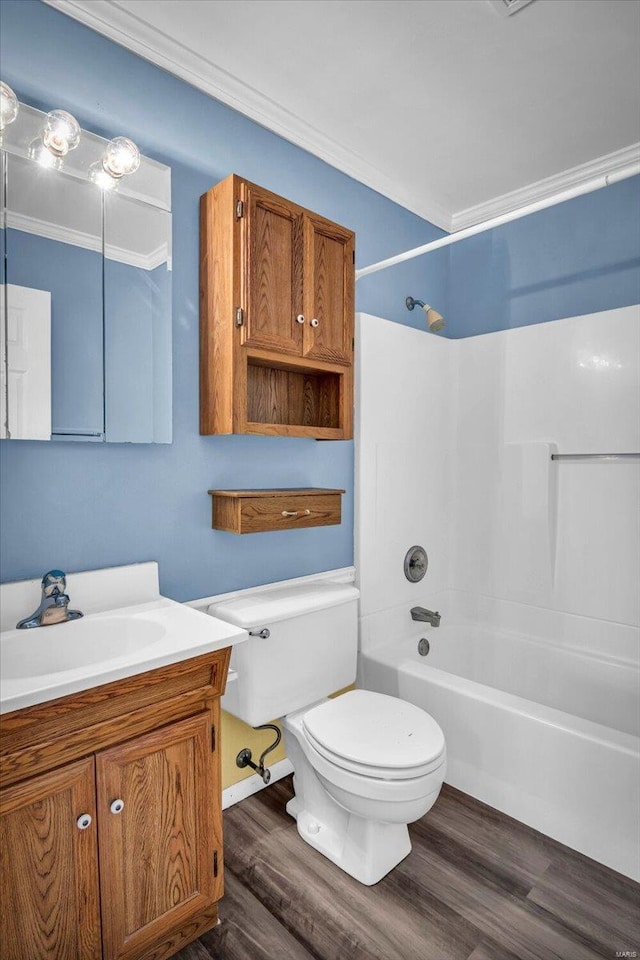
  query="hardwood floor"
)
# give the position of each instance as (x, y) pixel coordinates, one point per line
(476, 886)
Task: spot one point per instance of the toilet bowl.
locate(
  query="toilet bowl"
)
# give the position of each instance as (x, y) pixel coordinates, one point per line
(366, 765)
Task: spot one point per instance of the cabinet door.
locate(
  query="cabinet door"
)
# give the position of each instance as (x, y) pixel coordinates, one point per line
(329, 279)
(272, 272)
(161, 854)
(49, 867)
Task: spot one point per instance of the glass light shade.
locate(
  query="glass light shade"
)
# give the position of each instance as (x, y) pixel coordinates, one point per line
(9, 105)
(61, 133)
(44, 156)
(102, 179)
(122, 158)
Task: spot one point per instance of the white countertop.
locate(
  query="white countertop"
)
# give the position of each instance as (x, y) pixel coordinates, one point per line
(44, 663)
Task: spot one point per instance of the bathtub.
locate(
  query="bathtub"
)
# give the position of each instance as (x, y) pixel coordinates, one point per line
(547, 732)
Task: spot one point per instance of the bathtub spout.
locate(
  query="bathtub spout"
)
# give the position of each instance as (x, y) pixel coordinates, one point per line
(428, 616)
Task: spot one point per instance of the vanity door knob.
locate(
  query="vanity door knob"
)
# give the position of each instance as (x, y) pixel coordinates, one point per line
(300, 318)
(117, 806)
(84, 821)
(315, 323)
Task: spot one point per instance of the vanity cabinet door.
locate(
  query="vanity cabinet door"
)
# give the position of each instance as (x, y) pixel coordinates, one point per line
(49, 867)
(329, 284)
(160, 838)
(272, 272)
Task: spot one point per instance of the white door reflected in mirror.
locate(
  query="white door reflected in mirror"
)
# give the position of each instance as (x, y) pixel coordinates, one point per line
(25, 371)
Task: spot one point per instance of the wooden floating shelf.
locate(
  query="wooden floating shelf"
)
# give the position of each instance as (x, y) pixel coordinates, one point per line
(256, 511)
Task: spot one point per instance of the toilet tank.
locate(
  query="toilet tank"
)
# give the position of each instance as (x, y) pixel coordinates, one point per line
(310, 652)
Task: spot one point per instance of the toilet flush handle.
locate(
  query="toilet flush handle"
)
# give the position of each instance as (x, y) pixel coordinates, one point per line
(264, 634)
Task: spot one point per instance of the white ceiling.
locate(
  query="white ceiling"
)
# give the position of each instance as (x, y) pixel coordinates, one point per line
(446, 106)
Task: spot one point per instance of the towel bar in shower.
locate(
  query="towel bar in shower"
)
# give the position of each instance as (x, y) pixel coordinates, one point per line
(593, 456)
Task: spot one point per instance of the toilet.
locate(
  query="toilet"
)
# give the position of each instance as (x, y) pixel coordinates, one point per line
(365, 764)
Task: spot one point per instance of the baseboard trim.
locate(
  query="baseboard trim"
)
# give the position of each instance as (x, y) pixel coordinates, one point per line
(247, 787)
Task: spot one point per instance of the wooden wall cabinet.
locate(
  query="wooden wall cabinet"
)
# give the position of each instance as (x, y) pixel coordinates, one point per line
(110, 818)
(276, 316)
(256, 511)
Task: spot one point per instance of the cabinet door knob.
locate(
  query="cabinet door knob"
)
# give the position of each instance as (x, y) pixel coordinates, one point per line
(315, 323)
(84, 821)
(300, 318)
(117, 806)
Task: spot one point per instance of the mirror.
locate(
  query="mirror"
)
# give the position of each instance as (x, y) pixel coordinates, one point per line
(86, 302)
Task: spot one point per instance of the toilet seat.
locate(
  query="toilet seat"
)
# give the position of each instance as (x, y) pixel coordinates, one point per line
(375, 735)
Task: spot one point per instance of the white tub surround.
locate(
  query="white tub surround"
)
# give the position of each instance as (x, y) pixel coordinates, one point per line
(534, 563)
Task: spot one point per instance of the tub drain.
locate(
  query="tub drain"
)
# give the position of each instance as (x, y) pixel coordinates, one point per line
(423, 647)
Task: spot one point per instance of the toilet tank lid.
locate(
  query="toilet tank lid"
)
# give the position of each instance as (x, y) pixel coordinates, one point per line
(282, 603)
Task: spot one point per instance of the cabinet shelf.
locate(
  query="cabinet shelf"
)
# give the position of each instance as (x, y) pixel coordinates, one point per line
(278, 394)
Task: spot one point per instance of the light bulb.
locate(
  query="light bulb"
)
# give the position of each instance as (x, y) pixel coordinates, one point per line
(102, 179)
(122, 158)
(9, 105)
(43, 156)
(61, 133)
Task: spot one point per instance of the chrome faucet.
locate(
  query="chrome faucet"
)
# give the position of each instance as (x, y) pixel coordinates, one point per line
(428, 616)
(53, 605)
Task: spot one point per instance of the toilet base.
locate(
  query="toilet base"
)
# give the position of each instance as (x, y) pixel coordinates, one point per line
(365, 849)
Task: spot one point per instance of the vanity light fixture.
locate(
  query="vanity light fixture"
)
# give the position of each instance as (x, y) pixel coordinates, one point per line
(102, 179)
(43, 156)
(121, 159)
(61, 134)
(9, 105)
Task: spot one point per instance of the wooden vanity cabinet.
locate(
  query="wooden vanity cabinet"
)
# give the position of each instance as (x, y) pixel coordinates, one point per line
(49, 904)
(276, 316)
(117, 855)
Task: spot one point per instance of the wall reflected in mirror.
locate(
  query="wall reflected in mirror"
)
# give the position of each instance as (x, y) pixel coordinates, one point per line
(86, 309)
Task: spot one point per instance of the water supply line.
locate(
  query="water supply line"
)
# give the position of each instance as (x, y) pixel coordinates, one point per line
(589, 186)
(244, 757)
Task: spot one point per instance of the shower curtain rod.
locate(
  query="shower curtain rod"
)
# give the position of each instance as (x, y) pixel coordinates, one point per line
(587, 187)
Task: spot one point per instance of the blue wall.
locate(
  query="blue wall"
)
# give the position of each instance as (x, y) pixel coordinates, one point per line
(579, 257)
(82, 506)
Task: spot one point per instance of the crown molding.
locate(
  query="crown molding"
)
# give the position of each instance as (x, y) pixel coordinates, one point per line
(127, 30)
(600, 167)
(88, 241)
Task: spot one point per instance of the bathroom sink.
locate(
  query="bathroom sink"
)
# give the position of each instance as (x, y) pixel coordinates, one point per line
(44, 663)
(79, 643)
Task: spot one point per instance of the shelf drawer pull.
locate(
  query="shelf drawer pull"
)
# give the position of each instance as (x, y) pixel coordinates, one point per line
(84, 821)
(295, 513)
(117, 806)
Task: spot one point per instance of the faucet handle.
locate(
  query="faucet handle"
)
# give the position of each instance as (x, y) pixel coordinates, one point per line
(54, 583)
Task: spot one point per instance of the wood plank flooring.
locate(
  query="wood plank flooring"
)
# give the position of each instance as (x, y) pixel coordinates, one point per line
(476, 886)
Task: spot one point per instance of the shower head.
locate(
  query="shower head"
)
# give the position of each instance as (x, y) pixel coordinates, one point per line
(435, 320)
